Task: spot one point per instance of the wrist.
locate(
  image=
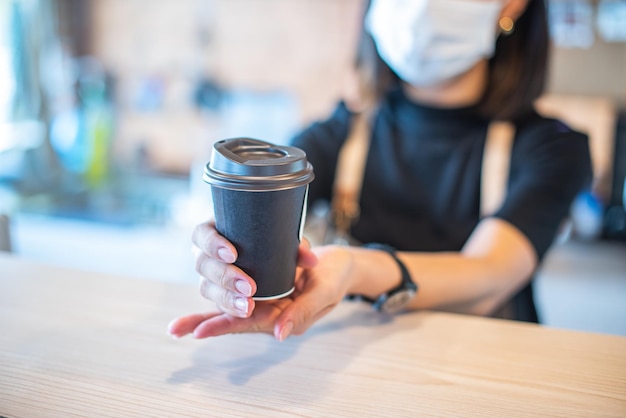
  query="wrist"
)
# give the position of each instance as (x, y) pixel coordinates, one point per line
(398, 297)
(373, 272)
(343, 262)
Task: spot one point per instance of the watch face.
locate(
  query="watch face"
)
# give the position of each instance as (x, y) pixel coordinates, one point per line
(397, 301)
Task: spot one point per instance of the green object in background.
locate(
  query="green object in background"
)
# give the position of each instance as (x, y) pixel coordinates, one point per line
(93, 94)
(82, 136)
(99, 131)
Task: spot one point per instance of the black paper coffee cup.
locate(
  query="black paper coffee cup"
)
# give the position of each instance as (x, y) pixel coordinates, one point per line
(259, 195)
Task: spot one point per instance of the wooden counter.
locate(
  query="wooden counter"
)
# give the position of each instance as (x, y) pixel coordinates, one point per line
(77, 343)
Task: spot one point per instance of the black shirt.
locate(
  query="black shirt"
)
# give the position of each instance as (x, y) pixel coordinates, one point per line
(421, 188)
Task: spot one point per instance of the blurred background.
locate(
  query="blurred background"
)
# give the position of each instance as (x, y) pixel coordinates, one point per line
(109, 109)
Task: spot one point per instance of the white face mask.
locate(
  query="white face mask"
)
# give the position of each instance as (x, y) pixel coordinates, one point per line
(427, 42)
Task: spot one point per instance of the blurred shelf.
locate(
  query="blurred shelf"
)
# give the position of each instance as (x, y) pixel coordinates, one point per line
(129, 199)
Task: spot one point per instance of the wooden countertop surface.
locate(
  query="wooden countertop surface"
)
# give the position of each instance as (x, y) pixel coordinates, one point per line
(75, 343)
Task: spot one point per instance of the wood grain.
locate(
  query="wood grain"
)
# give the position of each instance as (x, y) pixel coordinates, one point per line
(77, 343)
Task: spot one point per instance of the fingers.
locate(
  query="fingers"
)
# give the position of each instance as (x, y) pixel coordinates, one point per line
(281, 317)
(296, 318)
(210, 242)
(227, 285)
(228, 301)
(227, 276)
(220, 325)
(262, 320)
(184, 325)
(207, 325)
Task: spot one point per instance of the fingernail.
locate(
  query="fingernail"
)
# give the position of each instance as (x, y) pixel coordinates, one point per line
(170, 332)
(226, 255)
(241, 304)
(243, 287)
(170, 326)
(286, 331)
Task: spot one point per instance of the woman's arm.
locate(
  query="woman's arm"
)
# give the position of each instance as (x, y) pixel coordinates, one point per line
(496, 261)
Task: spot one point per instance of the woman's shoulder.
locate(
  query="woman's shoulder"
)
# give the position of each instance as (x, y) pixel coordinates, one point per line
(546, 144)
(539, 137)
(537, 129)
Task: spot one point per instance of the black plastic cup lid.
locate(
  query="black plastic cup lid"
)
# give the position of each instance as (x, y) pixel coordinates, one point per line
(253, 165)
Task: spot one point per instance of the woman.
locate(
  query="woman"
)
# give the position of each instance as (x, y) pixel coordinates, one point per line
(442, 70)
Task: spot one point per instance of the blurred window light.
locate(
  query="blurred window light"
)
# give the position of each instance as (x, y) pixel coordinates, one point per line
(571, 23)
(24, 134)
(7, 81)
(23, 44)
(611, 20)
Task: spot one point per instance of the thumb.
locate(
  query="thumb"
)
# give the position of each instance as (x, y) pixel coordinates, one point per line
(306, 258)
(307, 308)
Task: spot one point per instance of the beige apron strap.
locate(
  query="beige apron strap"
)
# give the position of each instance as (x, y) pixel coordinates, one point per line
(349, 173)
(495, 166)
(494, 179)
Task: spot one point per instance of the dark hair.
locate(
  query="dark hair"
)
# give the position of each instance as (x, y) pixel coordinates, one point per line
(517, 70)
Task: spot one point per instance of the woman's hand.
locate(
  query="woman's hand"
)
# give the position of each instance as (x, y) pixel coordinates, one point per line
(322, 280)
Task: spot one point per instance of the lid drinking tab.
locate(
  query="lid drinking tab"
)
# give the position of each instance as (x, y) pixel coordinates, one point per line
(255, 165)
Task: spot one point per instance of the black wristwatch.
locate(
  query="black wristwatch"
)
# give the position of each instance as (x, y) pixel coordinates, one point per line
(398, 297)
